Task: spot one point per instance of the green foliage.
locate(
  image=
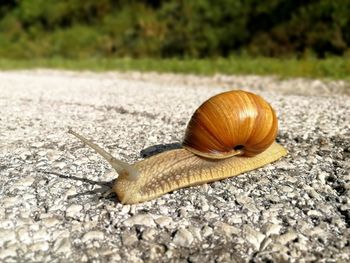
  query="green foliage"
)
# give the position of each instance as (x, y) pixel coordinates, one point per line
(330, 68)
(173, 28)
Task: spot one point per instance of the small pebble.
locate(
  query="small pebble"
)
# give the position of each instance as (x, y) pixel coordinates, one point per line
(287, 189)
(183, 212)
(129, 239)
(183, 238)
(53, 155)
(125, 210)
(227, 229)
(144, 220)
(25, 154)
(253, 236)
(62, 246)
(60, 165)
(272, 229)
(196, 232)
(204, 205)
(322, 177)
(71, 192)
(93, 235)
(8, 252)
(40, 235)
(7, 235)
(246, 202)
(164, 221)
(74, 210)
(39, 246)
(24, 236)
(287, 237)
(149, 234)
(314, 213)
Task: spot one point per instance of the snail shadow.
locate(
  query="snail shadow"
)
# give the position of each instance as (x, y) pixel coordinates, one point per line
(159, 148)
(104, 192)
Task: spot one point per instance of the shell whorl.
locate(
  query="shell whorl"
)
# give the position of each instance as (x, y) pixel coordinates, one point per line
(231, 123)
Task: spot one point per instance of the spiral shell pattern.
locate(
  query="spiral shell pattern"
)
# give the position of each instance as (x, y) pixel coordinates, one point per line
(231, 123)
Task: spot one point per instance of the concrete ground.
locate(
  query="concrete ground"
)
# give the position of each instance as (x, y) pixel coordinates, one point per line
(55, 203)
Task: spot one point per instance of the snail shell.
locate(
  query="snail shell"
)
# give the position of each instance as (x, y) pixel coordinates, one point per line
(231, 133)
(231, 123)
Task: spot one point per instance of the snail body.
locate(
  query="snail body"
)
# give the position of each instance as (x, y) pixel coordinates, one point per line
(231, 133)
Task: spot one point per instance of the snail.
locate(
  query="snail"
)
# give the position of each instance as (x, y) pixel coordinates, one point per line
(230, 133)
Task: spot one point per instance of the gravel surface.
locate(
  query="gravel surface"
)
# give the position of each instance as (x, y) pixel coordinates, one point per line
(55, 203)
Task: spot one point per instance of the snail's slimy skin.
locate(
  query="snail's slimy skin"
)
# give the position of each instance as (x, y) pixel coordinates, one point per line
(180, 168)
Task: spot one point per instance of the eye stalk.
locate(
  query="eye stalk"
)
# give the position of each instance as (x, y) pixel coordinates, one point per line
(122, 168)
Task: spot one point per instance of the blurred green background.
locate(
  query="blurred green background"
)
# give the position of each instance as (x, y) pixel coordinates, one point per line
(208, 35)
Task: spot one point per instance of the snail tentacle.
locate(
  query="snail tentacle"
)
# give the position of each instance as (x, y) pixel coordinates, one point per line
(118, 165)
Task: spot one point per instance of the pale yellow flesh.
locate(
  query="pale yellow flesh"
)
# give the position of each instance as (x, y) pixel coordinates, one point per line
(176, 169)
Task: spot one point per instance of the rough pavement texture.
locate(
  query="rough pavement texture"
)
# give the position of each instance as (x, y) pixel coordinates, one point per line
(55, 203)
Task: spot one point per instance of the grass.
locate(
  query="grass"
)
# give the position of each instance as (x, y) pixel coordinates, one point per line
(330, 68)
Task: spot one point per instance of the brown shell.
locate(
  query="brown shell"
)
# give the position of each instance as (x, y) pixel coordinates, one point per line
(231, 123)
